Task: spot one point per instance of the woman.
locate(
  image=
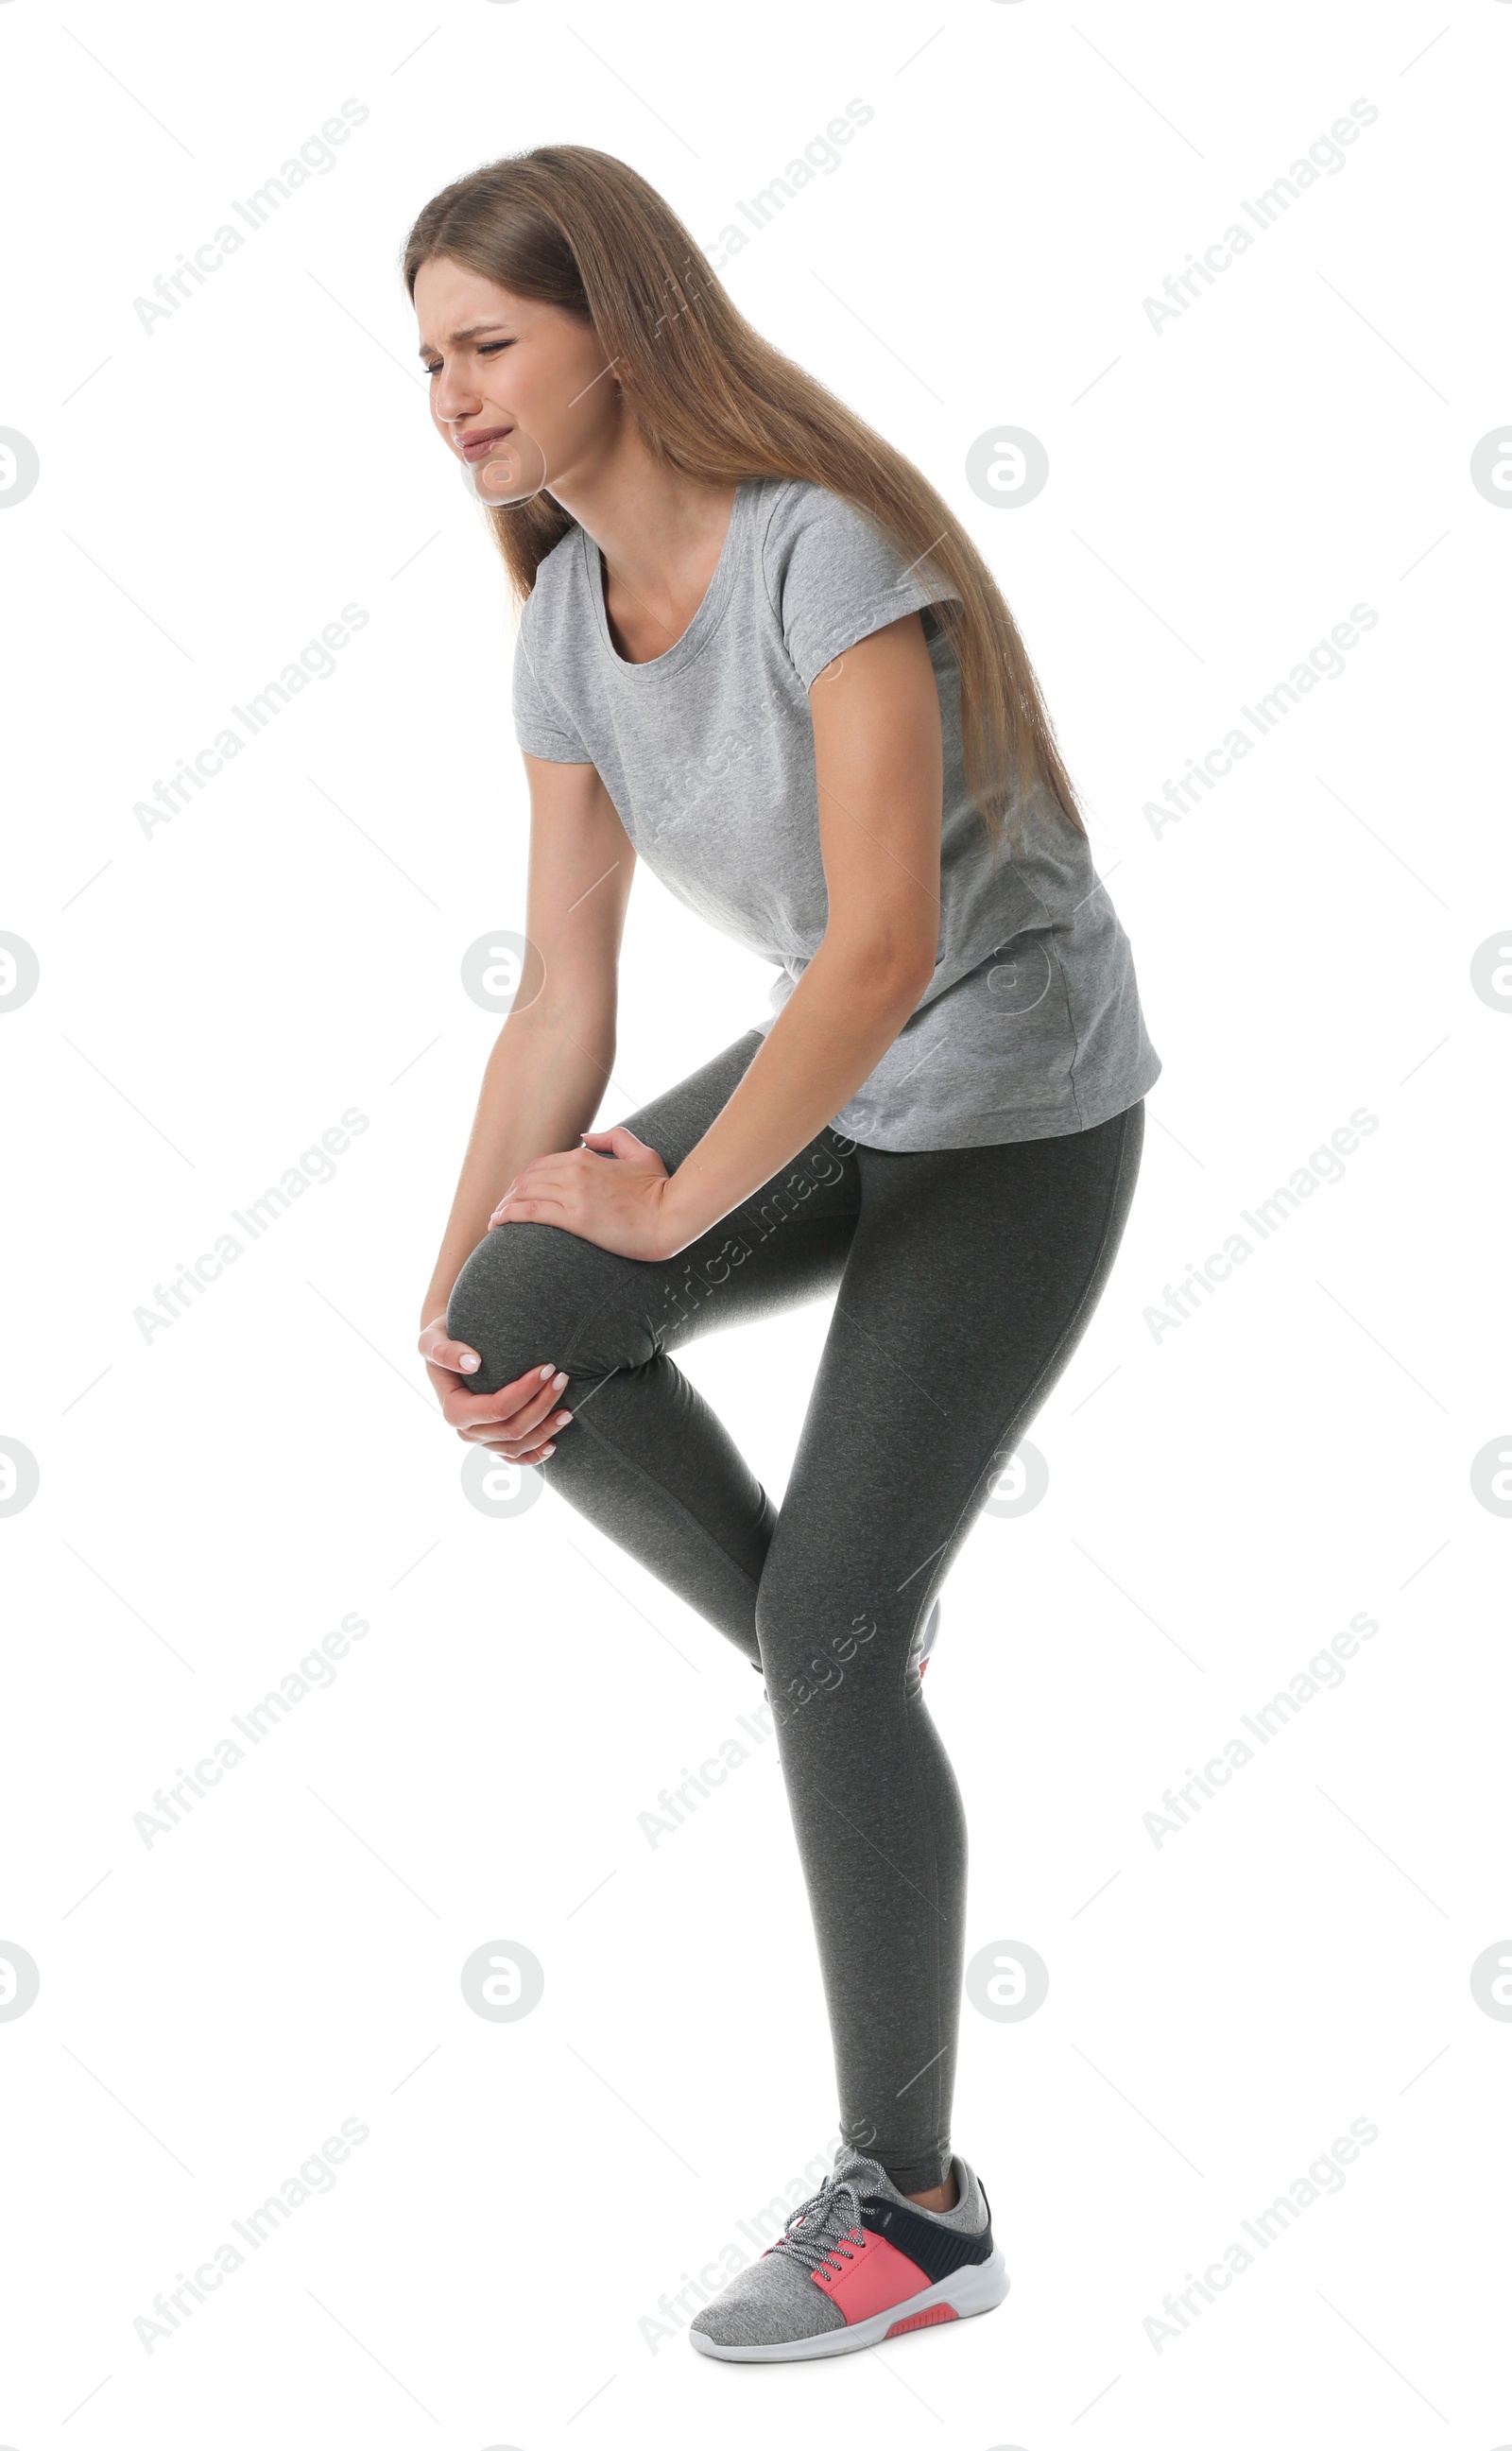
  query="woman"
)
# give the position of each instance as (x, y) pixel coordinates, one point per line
(759, 652)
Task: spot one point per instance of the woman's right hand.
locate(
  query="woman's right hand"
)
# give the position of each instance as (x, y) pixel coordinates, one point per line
(517, 1422)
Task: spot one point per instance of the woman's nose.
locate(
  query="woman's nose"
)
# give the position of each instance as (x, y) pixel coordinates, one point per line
(453, 399)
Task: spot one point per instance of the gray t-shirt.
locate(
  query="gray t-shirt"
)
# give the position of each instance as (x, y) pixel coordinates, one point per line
(1031, 1025)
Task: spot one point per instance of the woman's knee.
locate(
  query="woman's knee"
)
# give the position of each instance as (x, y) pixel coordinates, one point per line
(518, 1301)
(813, 1633)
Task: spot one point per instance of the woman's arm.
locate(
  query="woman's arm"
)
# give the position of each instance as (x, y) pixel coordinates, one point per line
(545, 1077)
(879, 765)
(879, 761)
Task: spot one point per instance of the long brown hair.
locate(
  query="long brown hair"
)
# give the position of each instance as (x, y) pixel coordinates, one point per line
(579, 229)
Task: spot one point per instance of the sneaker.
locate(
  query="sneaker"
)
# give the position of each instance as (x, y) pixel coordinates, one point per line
(931, 1629)
(857, 2263)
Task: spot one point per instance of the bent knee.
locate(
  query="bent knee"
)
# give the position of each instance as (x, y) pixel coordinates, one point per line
(523, 1296)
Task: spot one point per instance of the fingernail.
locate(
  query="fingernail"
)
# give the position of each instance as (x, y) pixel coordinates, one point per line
(468, 1362)
(561, 1421)
(547, 1451)
(546, 1369)
(560, 1380)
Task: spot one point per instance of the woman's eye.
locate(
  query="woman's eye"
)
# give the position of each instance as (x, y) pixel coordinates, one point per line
(485, 349)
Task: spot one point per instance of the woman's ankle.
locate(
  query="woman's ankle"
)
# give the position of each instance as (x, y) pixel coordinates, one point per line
(942, 2199)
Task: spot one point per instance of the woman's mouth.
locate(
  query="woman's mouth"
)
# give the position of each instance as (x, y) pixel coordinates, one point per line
(479, 446)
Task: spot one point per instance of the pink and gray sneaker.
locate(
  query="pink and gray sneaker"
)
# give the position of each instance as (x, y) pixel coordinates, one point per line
(857, 2263)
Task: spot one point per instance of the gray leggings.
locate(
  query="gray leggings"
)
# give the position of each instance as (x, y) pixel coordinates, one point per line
(962, 1281)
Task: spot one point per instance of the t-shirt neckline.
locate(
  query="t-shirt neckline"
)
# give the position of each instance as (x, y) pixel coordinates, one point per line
(709, 615)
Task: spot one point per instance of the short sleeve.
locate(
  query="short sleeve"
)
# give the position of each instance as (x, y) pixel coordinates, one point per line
(542, 725)
(833, 579)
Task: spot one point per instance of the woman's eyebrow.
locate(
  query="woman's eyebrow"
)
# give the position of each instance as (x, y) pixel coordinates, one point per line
(472, 332)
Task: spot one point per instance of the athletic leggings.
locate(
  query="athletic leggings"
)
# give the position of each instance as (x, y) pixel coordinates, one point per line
(962, 1281)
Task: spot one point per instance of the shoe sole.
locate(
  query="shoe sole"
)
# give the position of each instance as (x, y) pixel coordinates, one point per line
(974, 2289)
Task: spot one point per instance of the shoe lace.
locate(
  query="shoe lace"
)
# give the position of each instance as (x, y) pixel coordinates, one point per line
(825, 2225)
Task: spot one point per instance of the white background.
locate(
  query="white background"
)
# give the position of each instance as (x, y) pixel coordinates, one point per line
(1222, 1500)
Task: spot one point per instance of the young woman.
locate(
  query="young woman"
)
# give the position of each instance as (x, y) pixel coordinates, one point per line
(759, 652)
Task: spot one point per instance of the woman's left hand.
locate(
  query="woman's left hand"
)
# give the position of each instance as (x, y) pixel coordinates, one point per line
(620, 1203)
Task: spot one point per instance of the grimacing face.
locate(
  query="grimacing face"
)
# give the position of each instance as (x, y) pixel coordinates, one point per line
(508, 371)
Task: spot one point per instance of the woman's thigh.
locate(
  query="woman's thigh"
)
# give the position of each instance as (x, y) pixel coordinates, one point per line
(970, 1280)
(530, 1293)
